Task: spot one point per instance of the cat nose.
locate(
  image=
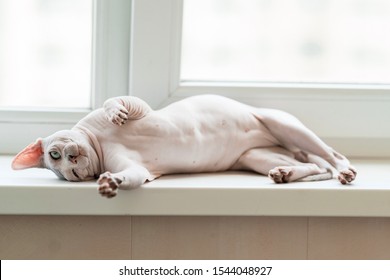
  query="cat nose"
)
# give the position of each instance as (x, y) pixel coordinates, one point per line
(71, 151)
(72, 159)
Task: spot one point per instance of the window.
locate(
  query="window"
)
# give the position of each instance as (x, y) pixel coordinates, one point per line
(60, 59)
(46, 52)
(145, 48)
(327, 41)
(332, 73)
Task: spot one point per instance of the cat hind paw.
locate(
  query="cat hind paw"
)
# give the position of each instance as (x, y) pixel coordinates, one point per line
(280, 174)
(347, 176)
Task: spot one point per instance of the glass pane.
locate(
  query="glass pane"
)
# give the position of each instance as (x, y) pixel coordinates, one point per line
(45, 53)
(320, 41)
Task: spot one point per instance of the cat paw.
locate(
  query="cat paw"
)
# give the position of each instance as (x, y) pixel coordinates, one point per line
(116, 114)
(280, 174)
(347, 176)
(108, 185)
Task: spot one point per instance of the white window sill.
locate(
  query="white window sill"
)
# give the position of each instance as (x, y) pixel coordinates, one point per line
(39, 192)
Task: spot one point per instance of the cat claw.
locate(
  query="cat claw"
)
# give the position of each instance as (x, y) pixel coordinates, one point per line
(108, 185)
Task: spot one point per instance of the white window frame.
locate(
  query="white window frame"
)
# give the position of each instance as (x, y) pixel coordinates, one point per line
(353, 119)
(110, 77)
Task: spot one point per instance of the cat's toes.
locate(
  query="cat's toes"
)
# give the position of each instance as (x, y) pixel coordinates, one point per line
(118, 115)
(280, 174)
(108, 185)
(347, 176)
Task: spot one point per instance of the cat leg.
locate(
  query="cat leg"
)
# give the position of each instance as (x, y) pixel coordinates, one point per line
(293, 135)
(279, 164)
(119, 110)
(129, 178)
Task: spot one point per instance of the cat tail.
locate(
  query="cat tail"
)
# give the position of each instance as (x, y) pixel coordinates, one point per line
(318, 177)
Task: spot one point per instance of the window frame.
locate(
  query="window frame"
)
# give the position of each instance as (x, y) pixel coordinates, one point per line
(349, 117)
(109, 77)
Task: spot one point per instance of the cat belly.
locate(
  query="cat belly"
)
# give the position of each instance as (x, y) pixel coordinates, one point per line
(191, 137)
(184, 159)
(194, 135)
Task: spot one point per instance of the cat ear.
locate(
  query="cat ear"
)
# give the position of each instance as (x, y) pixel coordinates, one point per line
(29, 157)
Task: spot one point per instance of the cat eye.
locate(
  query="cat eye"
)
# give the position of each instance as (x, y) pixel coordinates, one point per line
(55, 155)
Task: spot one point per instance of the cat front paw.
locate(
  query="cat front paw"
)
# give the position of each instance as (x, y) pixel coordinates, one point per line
(116, 113)
(108, 185)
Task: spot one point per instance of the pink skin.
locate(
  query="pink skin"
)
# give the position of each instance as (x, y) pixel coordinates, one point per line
(126, 143)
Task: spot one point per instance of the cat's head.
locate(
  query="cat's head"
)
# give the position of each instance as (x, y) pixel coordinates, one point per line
(67, 153)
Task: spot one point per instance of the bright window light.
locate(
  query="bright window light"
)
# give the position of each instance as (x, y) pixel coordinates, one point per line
(295, 41)
(45, 53)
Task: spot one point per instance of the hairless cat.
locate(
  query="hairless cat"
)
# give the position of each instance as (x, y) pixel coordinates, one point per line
(126, 143)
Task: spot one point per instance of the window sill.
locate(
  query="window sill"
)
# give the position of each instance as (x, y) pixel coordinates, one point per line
(39, 192)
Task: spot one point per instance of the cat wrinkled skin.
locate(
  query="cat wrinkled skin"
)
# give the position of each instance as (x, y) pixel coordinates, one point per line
(126, 143)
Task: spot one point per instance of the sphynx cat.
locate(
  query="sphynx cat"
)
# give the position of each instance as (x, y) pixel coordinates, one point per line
(126, 143)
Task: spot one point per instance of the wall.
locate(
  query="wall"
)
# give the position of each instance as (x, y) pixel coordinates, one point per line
(142, 237)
